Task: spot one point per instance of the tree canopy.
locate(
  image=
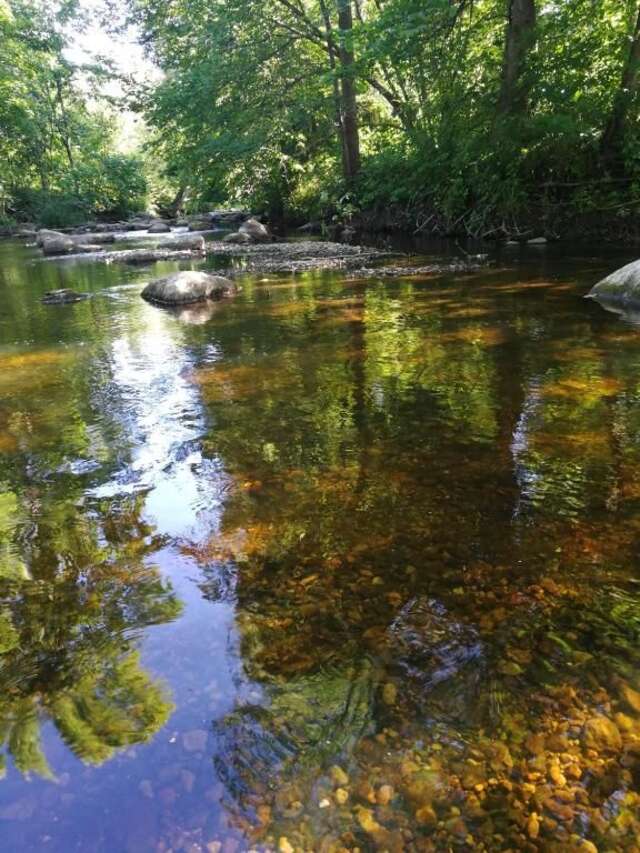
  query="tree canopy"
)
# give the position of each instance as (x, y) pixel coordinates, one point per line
(479, 110)
(479, 115)
(58, 157)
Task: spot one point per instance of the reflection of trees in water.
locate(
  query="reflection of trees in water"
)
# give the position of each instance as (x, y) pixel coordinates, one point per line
(375, 483)
(68, 633)
(308, 722)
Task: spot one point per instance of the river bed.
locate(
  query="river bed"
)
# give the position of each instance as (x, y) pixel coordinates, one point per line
(339, 564)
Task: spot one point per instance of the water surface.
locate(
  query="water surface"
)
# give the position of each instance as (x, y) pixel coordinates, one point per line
(337, 565)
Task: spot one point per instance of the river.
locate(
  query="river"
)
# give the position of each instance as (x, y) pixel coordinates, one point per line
(338, 564)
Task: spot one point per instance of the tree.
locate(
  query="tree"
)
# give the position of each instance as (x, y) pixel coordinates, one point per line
(613, 136)
(58, 161)
(520, 39)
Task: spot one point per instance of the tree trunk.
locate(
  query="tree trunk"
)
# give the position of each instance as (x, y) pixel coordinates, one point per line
(520, 40)
(63, 125)
(348, 104)
(174, 206)
(613, 136)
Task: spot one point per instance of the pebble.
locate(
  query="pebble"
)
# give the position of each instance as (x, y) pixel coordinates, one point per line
(390, 693)
(533, 826)
(601, 734)
(384, 795)
(557, 776)
(624, 722)
(558, 810)
(338, 776)
(324, 803)
(341, 795)
(146, 788)
(263, 813)
(631, 697)
(426, 815)
(367, 821)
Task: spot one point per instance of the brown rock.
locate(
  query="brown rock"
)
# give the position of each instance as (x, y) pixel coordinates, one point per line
(385, 795)
(560, 811)
(338, 776)
(630, 696)
(426, 815)
(367, 821)
(602, 735)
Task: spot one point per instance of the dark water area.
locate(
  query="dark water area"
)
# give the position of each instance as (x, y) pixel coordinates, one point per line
(337, 565)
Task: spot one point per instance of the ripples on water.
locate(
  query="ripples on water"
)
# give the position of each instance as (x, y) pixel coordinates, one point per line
(339, 564)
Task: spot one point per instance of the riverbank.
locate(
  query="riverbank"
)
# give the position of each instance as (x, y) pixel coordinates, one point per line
(617, 225)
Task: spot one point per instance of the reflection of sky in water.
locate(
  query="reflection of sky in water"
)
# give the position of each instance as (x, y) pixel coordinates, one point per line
(149, 414)
(525, 477)
(163, 420)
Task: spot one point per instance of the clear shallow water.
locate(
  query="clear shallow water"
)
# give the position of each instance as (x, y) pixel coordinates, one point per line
(339, 564)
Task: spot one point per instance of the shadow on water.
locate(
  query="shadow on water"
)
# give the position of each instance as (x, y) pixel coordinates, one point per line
(339, 564)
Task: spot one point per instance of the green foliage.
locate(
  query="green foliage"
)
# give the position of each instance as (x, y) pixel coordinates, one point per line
(247, 110)
(68, 641)
(58, 163)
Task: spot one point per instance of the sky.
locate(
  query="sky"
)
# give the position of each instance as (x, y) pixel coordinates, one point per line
(127, 56)
(124, 50)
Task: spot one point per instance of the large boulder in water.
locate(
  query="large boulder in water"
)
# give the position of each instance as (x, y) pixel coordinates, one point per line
(63, 245)
(255, 230)
(58, 245)
(194, 242)
(95, 239)
(159, 228)
(621, 288)
(46, 234)
(183, 288)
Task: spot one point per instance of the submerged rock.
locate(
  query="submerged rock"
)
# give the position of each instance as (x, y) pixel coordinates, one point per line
(621, 287)
(63, 296)
(195, 740)
(429, 646)
(182, 288)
